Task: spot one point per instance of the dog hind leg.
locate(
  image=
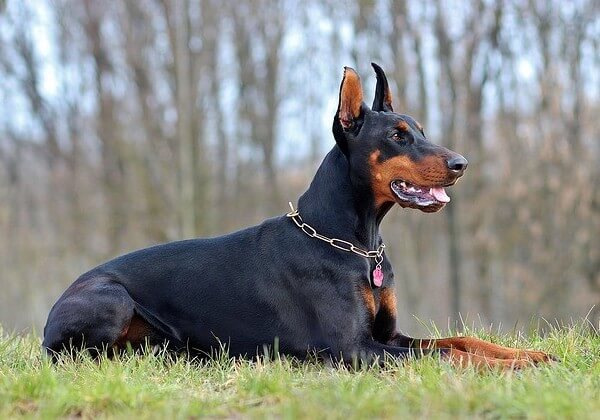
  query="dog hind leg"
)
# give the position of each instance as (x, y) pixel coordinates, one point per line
(93, 314)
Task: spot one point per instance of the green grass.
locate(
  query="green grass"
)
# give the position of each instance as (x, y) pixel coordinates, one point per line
(153, 386)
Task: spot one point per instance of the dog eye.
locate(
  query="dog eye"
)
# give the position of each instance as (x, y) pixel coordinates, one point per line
(396, 137)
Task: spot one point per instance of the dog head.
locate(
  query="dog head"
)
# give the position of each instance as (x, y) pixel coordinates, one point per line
(389, 152)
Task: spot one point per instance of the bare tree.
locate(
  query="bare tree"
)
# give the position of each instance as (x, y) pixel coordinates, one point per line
(131, 123)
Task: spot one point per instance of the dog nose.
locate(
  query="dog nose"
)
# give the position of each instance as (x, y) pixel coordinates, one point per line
(457, 164)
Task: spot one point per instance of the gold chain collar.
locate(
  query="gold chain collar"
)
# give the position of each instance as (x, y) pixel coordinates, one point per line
(377, 255)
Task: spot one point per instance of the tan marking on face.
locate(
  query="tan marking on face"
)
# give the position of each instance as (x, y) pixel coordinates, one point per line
(351, 96)
(429, 171)
(387, 301)
(369, 300)
(403, 126)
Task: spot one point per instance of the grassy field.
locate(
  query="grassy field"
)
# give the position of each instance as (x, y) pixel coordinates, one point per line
(153, 386)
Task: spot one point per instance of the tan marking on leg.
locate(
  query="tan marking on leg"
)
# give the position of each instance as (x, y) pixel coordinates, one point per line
(483, 348)
(135, 333)
(387, 302)
(462, 359)
(369, 301)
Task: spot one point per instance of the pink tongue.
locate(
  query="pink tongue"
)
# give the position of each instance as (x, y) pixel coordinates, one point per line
(439, 194)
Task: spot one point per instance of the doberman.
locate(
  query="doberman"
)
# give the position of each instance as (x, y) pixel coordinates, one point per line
(314, 280)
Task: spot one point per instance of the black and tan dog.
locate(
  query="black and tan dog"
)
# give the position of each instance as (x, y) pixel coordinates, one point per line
(316, 279)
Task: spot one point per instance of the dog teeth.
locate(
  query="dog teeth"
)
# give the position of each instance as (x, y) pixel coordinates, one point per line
(411, 189)
(403, 184)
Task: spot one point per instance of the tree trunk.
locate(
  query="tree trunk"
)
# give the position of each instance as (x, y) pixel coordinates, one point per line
(187, 159)
(448, 99)
(111, 151)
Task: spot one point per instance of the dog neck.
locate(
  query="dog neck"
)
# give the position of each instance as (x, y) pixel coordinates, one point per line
(338, 206)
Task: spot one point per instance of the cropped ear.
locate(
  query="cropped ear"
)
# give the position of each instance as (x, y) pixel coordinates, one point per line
(351, 99)
(383, 96)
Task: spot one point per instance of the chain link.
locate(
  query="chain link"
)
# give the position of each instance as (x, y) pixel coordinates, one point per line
(334, 242)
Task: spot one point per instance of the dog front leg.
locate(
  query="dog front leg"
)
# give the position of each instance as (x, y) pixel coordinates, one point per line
(462, 355)
(369, 352)
(473, 346)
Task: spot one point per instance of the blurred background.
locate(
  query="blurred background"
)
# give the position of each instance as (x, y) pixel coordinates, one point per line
(129, 123)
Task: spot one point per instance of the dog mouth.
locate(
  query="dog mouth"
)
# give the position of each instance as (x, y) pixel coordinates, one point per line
(428, 199)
